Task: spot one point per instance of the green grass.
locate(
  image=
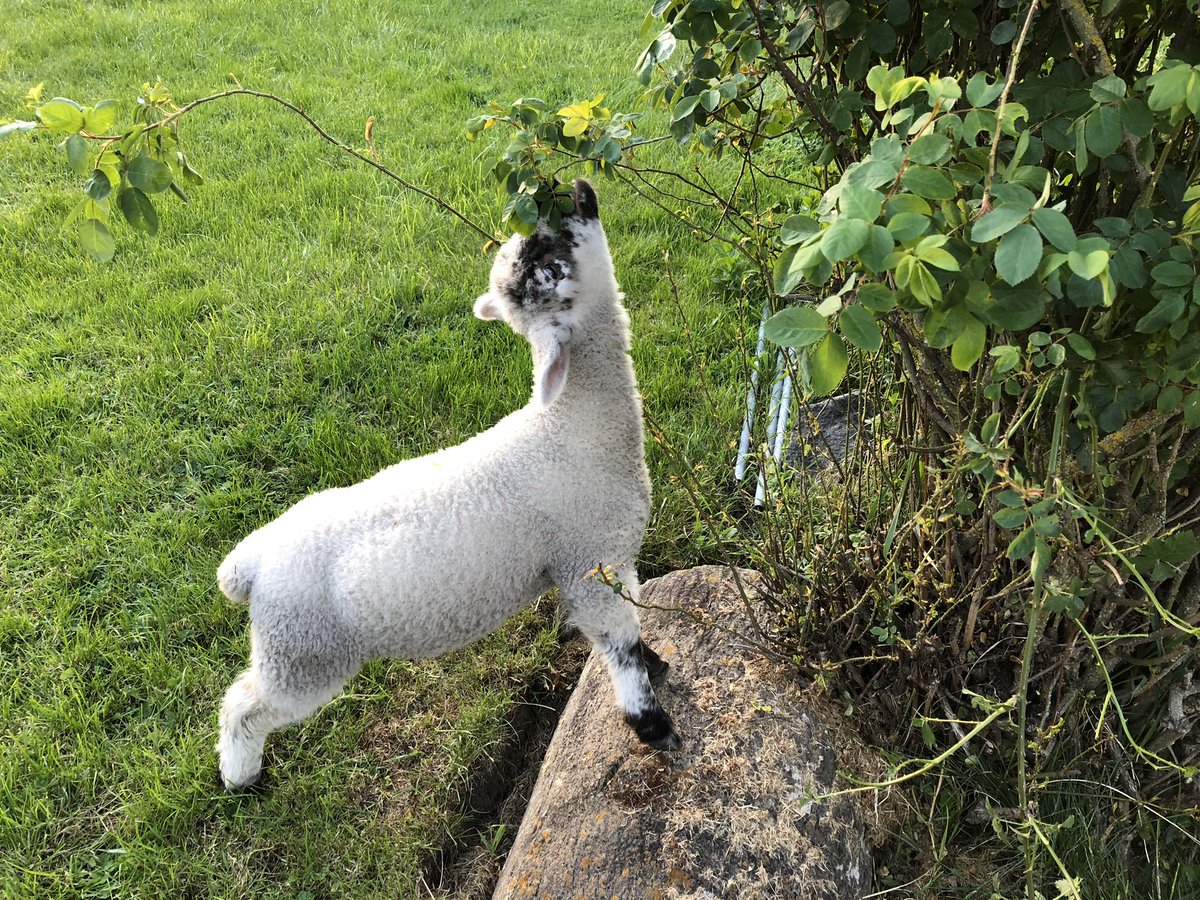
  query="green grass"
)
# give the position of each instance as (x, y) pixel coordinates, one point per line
(299, 324)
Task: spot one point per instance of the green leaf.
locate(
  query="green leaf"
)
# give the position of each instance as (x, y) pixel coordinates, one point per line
(152, 175)
(797, 229)
(879, 244)
(525, 208)
(1170, 398)
(1008, 358)
(991, 425)
(796, 326)
(1018, 254)
(928, 182)
(859, 202)
(907, 225)
(1081, 157)
(1010, 517)
(1088, 265)
(138, 210)
(77, 154)
(946, 325)
(1173, 274)
(881, 37)
(1056, 228)
(844, 238)
(100, 117)
(830, 305)
(788, 270)
(1166, 311)
(98, 186)
(16, 127)
(61, 114)
(1108, 88)
(980, 93)
(876, 297)
(998, 222)
(682, 109)
(1004, 32)
(922, 284)
(968, 347)
(836, 13)
(1017, 308)
(1191, 410)
(662, 47)
(930, 250)
(1136, 117)
(827, 365)
(1104, 131)
(1022, 545)
(1081, 345)
(873, 173)
(943, 89)
(929, 149)
(1170, 87)
(860, 329)
(1048, 526)
(908, 203)
(95, 240)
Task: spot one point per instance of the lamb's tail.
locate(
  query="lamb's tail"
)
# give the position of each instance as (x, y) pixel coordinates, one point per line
(235, 576)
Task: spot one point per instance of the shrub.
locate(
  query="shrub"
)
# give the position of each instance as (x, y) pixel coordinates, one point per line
(1003, 250)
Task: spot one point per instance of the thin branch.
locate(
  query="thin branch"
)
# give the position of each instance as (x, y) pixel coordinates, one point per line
(986, 204)
(234, 92)
(799, 89)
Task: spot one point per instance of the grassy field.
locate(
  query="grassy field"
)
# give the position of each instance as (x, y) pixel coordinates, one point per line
(300, 324)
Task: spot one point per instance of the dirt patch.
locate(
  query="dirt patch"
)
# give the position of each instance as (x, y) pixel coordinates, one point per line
(500, 785)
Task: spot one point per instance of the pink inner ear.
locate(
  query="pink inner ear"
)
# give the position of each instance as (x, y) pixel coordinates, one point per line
(487, 308)
(553, 376)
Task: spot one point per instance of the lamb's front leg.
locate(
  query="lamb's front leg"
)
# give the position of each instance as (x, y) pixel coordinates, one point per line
(611, 623)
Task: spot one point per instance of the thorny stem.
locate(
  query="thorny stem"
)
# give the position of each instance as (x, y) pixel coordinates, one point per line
(1008, 83)
(245, 92)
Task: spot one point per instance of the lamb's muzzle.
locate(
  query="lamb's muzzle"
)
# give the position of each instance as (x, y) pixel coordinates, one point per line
(542, 498)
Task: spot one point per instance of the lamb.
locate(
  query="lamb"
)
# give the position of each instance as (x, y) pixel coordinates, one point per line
(434, 552)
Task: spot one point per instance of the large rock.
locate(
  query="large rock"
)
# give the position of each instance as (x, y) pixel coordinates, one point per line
(727, 816)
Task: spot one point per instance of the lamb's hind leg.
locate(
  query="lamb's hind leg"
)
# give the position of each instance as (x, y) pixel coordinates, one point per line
(252, 710)
(611, 623)
(247, 717)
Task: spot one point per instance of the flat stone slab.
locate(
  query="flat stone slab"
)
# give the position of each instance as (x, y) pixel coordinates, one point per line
(729, 815)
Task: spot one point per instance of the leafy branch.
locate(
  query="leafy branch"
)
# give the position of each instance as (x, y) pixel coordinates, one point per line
(147, 157)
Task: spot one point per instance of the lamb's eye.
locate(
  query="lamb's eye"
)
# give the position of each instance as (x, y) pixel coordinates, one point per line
(550, 272)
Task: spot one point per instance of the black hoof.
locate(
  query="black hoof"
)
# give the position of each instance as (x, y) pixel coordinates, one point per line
(255, 788)
(655, 729)
(655, 665)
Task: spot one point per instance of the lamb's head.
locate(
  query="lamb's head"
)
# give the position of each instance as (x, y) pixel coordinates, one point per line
(547, 285)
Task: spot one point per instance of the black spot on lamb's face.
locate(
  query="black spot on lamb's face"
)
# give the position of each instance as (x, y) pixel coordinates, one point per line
(547, 271)
(541, 271)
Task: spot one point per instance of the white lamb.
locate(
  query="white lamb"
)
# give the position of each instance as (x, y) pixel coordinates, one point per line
(435, 552)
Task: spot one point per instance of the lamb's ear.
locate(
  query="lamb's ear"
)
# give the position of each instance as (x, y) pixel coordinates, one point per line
(552, 359)
(486, 307)
(586, 205)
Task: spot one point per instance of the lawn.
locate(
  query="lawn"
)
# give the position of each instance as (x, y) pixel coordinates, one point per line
(299, 324)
